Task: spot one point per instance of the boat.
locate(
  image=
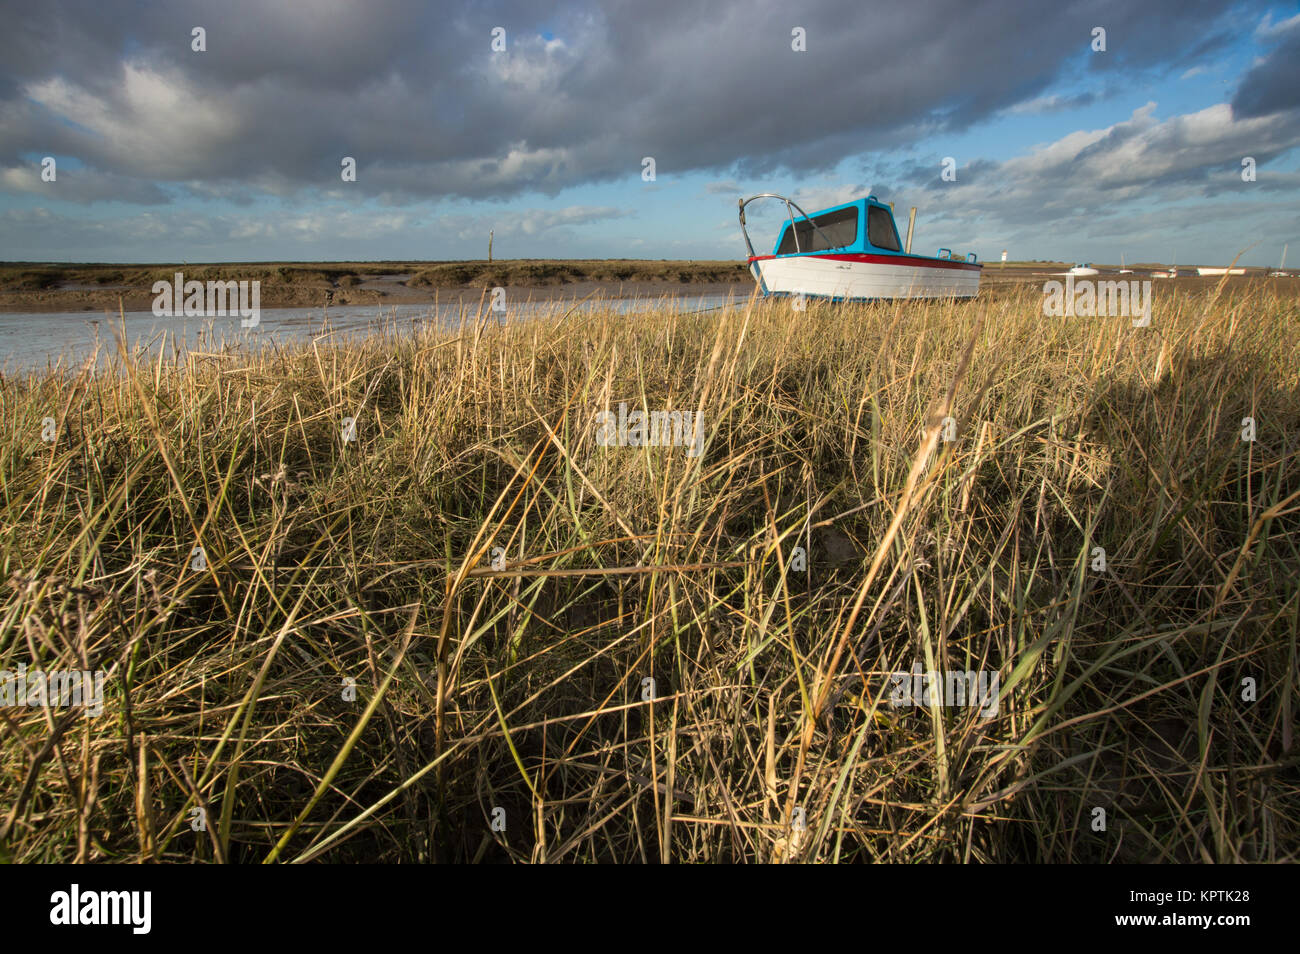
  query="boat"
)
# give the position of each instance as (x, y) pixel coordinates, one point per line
(851, 252)
(1220, 271)
(1077, 270)
(1172, 273)
(1281, 267)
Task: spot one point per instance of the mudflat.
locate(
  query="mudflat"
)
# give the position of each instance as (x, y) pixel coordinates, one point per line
(31, 286)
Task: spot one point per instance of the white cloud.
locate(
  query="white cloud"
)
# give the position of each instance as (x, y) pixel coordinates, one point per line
(154, 121)
(1267, 29)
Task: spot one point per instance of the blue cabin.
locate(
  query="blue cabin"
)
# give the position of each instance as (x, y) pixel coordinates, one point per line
(840, 229)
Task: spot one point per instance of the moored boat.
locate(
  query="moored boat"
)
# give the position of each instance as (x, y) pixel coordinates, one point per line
(1281, 266)
(852, 252)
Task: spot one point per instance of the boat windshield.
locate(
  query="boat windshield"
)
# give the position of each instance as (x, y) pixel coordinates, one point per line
(880, 230)
(840, 228)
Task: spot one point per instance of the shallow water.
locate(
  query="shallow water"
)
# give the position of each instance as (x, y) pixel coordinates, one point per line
(35, 341)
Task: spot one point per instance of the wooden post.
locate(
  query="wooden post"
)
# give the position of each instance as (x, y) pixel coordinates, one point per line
(490, 245)
(911, 223)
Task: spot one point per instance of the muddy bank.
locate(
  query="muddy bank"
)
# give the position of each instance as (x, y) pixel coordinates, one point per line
(99, 300)
(36, 287)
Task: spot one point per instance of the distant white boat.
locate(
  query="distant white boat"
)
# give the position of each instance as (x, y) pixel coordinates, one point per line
(1082, 270)
(1280, 273)
(1220, 271)
(1122, 269)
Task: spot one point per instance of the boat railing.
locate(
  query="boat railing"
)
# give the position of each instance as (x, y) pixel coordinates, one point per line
(790, 205)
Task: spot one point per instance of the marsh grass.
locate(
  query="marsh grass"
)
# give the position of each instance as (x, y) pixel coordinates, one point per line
(525, 688)
(521, 272)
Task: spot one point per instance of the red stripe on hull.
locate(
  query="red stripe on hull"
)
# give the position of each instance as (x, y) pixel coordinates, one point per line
(911, 261)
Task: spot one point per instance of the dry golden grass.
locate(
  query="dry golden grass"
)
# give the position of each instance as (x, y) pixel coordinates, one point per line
(771, 737)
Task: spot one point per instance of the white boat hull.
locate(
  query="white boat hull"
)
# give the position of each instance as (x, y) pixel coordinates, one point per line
(857, 276)
(1220, 271)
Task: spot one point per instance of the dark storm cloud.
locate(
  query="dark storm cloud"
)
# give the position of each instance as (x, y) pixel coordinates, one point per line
(1274, 85)
(285, 90)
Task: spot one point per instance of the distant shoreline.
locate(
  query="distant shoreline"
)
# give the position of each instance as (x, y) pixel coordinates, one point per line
(55, 287)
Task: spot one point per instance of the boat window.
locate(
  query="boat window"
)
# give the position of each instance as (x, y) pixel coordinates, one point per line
(840, 227)
(880, 229)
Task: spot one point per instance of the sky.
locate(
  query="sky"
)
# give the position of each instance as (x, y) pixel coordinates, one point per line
(536, 122)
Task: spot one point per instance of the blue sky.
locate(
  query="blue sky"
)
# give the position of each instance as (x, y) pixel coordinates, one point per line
(165, 153)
